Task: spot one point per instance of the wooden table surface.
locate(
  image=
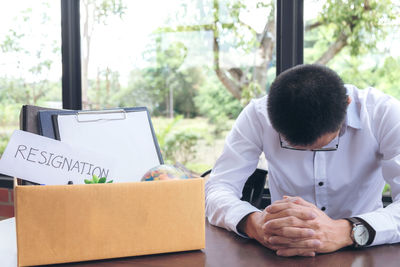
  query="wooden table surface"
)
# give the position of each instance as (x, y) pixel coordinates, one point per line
(224, 249)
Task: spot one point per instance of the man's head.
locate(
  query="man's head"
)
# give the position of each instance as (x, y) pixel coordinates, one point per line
(307, 102)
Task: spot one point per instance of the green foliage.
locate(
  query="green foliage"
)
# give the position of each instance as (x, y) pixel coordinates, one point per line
(378, 73)
(252, 90)
(34, 60)
(198, 167)
(105, 90)
(223, 22)
(363, 26)
(105, 8)
(9, 113)
(362, 21)
(3, 143)
(213, 100)
(164, 132)
(97, 180)
(165, 78)
(355, 24)
(387, 78)
(11, 42)
(180, 146)
(386, 189)
(177, 144)
(215, 103)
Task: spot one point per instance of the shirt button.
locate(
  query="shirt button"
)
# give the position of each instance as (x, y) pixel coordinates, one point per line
(321, 183)
(323, 208)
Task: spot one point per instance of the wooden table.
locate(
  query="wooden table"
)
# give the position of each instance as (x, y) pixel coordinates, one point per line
(224, 249)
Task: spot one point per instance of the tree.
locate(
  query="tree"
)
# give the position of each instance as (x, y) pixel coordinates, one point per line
(381, 74)
(357, 24)
(229, 30)
(104, 89)
(164, 86)
(95, 12)
(30, 85)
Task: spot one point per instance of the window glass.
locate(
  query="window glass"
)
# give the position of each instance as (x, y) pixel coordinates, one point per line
(30, 65)
(194, 64)
(358, 39)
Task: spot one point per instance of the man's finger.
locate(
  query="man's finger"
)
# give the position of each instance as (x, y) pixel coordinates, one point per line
(303, 213)
(284, 200)
(295, 252)
(291, 232)
(277, 207)
(291, 209)
(289, 221)
(287, 199)
(296, 199)
(292, 243)
(301, 201)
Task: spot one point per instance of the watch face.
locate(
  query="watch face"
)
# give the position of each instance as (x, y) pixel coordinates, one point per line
(361, 235)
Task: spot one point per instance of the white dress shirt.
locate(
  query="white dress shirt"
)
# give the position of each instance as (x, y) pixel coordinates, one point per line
(344, 183)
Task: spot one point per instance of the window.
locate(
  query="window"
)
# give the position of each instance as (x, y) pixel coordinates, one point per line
(193, 63)
(358, 39)
(30, 66)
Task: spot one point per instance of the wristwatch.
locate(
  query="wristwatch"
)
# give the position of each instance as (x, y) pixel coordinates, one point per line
(361, 233)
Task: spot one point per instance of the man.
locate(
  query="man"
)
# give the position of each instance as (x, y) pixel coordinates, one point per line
(330, 148)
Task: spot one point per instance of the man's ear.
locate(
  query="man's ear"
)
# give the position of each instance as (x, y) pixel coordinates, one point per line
(348, 100)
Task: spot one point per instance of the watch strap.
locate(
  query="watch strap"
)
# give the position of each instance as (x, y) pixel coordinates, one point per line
(353, 220)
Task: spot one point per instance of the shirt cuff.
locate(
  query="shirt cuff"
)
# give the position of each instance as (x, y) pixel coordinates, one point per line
(237, 213)
(384, 226)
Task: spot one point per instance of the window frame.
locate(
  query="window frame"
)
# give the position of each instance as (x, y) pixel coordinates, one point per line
(289, 45)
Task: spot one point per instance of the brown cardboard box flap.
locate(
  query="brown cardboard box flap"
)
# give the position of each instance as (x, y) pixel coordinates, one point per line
(58, 224)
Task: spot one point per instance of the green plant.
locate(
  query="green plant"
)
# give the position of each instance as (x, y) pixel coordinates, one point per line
(97, 180)
(180, 146)
(213, 102)
(165, 131)
(386, 190)
(3, 142)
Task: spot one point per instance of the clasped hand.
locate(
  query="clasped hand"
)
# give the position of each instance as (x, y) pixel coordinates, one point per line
(293, 226)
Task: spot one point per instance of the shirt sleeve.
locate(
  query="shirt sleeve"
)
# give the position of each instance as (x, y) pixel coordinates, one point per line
(385, 123)
(238, 161)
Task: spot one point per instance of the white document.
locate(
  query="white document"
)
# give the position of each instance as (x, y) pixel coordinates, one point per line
(126, 137)
(50, 162)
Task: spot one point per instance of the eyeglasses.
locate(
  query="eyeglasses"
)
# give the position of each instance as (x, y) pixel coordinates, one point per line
(286, 145)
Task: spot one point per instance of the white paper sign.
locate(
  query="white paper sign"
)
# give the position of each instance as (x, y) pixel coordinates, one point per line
(47, 161)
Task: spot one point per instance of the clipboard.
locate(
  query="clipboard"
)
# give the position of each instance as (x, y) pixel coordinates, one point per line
(126, 134)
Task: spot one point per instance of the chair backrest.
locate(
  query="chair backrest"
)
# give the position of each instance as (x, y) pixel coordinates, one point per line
(253, 188)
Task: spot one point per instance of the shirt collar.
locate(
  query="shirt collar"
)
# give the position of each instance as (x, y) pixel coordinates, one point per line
(353, 114)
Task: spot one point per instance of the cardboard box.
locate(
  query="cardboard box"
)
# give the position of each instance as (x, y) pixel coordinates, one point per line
(70, 223)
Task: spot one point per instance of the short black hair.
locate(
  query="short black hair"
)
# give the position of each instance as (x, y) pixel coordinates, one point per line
(306, 102)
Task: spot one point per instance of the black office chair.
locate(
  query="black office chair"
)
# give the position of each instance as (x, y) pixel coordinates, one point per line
(253, 190)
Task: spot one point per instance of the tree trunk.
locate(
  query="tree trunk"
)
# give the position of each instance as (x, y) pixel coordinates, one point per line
(85, 58)
(266, 51)
(98, 88)
(228, 83)
(107, 87)
(171, 102)
(333, 49)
